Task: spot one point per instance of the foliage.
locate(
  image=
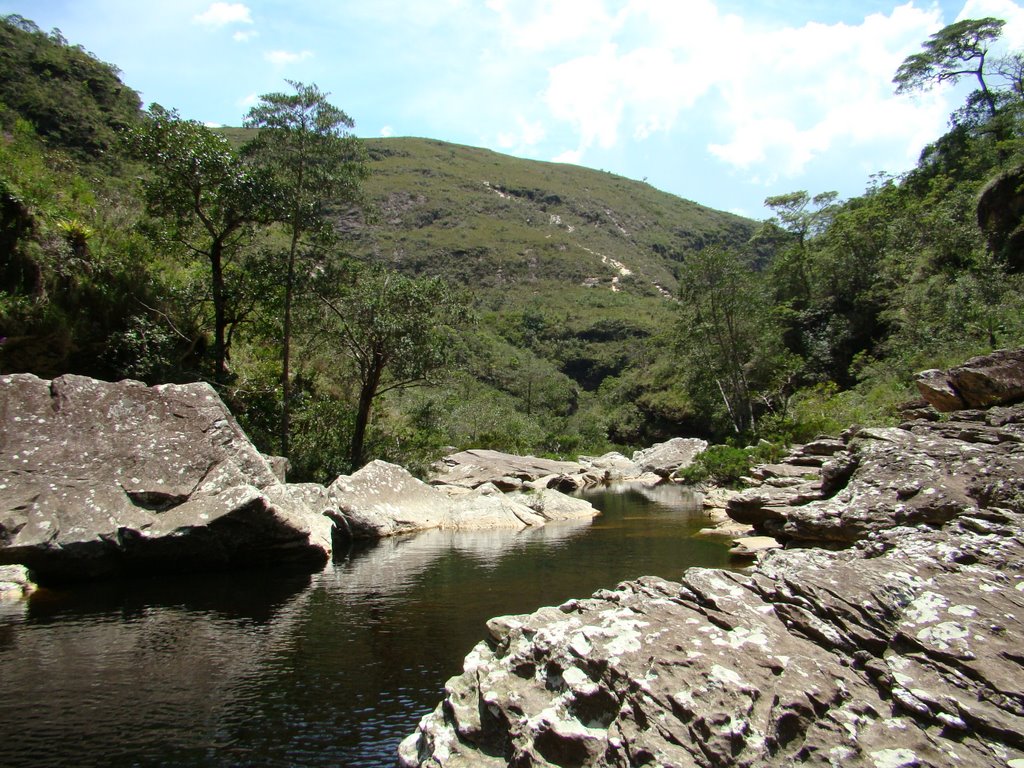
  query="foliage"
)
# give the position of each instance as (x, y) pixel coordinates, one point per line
(209, 200)
(72, 100)
(722, 465)
(397, 332)
(303, 141)
(955, 51)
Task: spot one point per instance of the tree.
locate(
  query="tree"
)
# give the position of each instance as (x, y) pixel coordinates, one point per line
(209, 197)
(305, 141)
(802, 217)
(397, 332)
(727, 332)
(956, 51)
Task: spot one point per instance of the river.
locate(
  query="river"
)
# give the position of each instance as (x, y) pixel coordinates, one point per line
(332, 669)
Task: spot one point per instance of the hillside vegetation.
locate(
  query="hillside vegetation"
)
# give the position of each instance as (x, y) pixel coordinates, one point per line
(570, 310)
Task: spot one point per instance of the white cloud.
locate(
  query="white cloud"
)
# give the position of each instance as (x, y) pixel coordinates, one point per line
(249, 101)
(541, 24)
(387, 131)
(1010, 12)
(283, 58)
(221, 14)
(821, 87)
(246, 36)
(526, 134)
(777, 97)
(573, 156)
(210, 124)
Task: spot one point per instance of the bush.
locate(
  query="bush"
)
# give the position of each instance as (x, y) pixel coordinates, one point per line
(720, 464)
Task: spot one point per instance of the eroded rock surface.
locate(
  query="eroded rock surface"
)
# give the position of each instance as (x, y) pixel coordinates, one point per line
(897, 646)
(665, 458)
(981, 382)
(383, 499)
(98, 478)
(471, 469)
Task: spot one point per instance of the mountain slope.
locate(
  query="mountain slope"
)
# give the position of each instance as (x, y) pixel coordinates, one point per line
(494, 221)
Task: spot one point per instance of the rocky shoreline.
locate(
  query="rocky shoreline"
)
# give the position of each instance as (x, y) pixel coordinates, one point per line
(102, 479)
(885, 634)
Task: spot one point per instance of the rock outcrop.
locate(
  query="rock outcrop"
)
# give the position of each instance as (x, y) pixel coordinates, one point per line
(383, 499)
(100, 478)
(666, 458)
(471, 469)
(896, 645)
(981, 382)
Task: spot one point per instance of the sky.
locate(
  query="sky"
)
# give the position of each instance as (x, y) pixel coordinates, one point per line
(724, 102)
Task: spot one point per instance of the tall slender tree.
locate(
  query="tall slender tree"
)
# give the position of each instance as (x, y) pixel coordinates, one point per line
(306, 142)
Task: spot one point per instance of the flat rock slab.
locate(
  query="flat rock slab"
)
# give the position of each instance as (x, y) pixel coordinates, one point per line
(892, 654)
(383, 499)
(476, 467)
(98, 478)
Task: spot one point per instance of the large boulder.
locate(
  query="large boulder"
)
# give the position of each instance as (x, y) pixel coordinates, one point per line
(473, 468)
(897, 645)
(99, 478)
(665, 458)
(981, 382)
(383, 499)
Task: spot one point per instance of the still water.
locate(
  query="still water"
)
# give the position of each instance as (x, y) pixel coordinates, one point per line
(332, 669)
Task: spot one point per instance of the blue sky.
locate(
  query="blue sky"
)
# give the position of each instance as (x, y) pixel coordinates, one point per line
(724, 102)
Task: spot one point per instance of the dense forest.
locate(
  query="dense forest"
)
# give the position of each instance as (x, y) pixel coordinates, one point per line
(400, 298)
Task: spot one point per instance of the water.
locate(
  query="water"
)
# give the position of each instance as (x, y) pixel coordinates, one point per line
(332, 669)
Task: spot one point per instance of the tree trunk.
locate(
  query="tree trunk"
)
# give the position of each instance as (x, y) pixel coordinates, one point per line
(366, 394)
(220, 369)
(286, 346)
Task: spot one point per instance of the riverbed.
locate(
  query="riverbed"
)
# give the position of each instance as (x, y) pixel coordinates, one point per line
(278, 669)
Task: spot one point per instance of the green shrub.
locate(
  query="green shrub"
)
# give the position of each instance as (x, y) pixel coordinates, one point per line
(720, 464)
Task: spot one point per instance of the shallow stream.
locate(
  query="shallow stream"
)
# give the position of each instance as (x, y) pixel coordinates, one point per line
(332, 669)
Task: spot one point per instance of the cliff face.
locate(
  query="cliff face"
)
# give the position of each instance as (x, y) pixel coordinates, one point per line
(901, 649)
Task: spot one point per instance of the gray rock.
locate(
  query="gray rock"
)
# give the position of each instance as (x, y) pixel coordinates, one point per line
(476, 467)
(554, 505)
(665, 458)
(901, 649)
(383, 499)
(15, 583)
(613, 467)
(995, 379)
(99, 478)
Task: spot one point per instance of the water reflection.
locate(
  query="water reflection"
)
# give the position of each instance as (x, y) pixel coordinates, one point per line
(281, 669)
(395, 564)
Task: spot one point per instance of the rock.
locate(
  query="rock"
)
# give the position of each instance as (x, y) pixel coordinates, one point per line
(383, 499)
(279, 465)
(100, 478)
(15, 583)
(901, 648)
(1001, 216)
(613, 467)
(995, 379)
(752, 546)
(553, 505)
(476, 467)
(665, 458)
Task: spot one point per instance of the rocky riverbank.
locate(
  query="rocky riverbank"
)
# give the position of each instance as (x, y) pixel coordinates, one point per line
(103, 479)
(886, 634)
